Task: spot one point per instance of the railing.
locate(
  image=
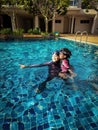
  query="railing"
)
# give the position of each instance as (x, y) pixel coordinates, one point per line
(78, 32)
(84, 32)
(81, 34)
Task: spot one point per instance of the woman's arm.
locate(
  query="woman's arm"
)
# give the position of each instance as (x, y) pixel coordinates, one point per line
(35, 65)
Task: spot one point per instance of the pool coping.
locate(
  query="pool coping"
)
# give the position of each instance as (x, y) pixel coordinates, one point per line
(90, 39)
(70, 39)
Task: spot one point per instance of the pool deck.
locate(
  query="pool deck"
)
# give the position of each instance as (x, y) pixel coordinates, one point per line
(90, 39)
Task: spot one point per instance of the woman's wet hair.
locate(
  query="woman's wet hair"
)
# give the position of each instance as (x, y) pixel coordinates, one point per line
(66, 52)
(56, 52)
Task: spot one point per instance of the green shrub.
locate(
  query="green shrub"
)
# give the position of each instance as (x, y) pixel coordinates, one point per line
(44, 33)
(30, 31)
(18, 32)
(6, 31)
(36, 30)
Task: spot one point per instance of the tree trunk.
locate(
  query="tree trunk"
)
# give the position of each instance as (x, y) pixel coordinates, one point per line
(1, 22)
(46, 24)
(53, 23)
(13, 21)
(36, 22)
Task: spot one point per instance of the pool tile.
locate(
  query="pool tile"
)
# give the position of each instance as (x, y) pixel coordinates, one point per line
(6, 127)
(81, 128)
(46, 125)
(40, 127)
(93, 125)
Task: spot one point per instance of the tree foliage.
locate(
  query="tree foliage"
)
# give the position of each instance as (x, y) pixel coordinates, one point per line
(47, 8)
(89, 4)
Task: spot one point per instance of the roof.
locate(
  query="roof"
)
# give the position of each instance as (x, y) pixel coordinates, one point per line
(79, 11)
(89, 11)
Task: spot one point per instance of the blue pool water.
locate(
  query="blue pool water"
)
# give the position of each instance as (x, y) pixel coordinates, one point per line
(61, 106)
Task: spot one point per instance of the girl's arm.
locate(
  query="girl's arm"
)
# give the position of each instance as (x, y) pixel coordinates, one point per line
(66, 64)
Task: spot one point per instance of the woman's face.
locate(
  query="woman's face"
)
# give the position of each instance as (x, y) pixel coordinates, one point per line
(62, 56)
(55, 57)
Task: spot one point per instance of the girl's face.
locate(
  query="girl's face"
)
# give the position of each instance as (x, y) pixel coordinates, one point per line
(62, 56)
(55, 57)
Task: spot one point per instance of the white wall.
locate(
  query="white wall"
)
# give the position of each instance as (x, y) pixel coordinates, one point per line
(59, 27)
(66, 25)
(83, 26)
(96, 27)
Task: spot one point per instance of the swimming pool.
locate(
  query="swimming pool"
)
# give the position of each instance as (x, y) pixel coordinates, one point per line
(61, 106)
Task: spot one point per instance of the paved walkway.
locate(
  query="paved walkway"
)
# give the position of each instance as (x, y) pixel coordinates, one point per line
(90, 39)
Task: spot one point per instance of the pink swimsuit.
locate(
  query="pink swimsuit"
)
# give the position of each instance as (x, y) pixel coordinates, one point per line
(64, 65)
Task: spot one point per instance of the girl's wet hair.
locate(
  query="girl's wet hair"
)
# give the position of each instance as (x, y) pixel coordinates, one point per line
(66, 52)
(56, 52)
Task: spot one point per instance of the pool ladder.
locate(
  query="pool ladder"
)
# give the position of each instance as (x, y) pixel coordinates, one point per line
(81, 34)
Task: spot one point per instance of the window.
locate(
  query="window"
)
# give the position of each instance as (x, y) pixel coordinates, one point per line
(84, 21)
(71, 3)
(74, 2)
(57, 21)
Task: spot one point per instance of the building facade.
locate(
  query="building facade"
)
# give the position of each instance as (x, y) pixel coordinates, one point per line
(76, 19)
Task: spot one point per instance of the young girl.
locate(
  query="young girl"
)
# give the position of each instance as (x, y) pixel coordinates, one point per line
(66, 71)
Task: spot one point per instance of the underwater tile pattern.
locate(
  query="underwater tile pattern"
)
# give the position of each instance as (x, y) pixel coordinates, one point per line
(63, 105)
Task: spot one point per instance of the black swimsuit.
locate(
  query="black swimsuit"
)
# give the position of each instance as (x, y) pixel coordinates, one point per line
(54, 68)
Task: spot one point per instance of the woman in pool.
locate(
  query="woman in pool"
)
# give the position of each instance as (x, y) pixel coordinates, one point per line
(54, 69)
